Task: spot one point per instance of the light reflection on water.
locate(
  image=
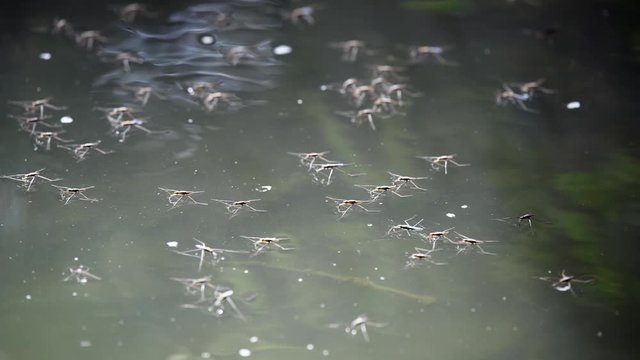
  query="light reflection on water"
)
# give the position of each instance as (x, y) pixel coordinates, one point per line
(477, 305)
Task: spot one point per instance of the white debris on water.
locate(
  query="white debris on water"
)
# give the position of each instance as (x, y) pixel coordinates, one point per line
(45, 56)
(282, 50)
(574, 105)
(244, 352)
(207, 40)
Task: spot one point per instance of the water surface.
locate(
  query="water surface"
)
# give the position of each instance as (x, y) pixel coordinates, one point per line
(577, 169)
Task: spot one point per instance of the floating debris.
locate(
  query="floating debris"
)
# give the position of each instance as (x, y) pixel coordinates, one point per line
(574, 105)
(282, 50)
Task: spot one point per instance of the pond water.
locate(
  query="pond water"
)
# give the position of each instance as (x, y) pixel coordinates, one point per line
(576, 169)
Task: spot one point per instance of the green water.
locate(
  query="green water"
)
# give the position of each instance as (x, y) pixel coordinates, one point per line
(576, 169)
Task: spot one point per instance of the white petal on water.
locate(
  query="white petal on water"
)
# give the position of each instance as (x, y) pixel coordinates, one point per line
(253, 339)
(451, 215)
(464, 206)
(172, 244)
(66, 120)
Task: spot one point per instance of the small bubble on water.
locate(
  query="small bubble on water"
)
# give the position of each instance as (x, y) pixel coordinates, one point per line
(66, 120)
(473, 310)
(310, 347)
(85, 343)
(190, 121)
(369, 225)
(322, 306)
(300, 279)
(28, 297)
(325, 352)
(299, 101)
(599, 334)
(324, 88)
(464, 206)
(244, 352)
(253, 339)
(74, 294)
(45, 56)
(504, 298)
(451, 215)
(205, 355)
(246, 271)
(382, 278)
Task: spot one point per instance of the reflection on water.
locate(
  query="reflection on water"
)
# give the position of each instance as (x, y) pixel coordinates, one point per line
(210, 200)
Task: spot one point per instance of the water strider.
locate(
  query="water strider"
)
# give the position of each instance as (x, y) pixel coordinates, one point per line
(74, 193)
(442, 161)
(234, 206)
(181, 197)
(27, 180)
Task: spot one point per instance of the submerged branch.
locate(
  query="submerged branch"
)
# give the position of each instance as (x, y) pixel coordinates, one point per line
(363, 282)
